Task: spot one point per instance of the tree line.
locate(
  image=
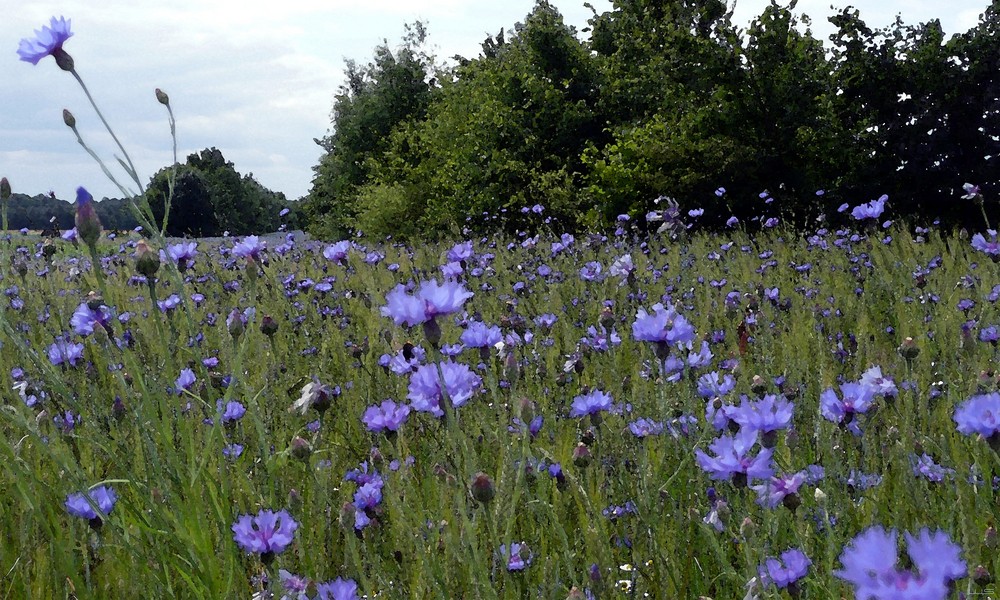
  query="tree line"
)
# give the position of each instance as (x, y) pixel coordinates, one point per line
(665, 98)
(209, 198)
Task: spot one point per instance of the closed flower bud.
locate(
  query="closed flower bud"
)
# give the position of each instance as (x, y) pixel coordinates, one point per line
(909, 349)
(758, 385)
(4, 189)
(581, 456)
(94, 300)
(575, 594)
(981, 576)
(819, 496)
(990, 539)
(294, 500)
(88, 226)
(607, 318)
(483, 489)
(69, 119)
(747, 528)
(162, 97)
(268, 326)
(147, 262)
(300, 448)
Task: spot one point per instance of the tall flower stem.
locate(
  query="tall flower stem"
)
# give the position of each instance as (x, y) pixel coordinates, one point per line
(129, 168)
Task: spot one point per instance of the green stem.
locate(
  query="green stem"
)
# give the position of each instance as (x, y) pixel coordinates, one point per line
(131, 167)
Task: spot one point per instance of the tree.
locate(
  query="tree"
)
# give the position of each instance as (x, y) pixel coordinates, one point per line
(392, 89)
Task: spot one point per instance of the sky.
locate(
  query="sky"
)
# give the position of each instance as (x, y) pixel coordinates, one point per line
(254, 78)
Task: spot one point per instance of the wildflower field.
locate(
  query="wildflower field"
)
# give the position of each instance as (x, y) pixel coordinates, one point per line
(629, 417)
(751, 412)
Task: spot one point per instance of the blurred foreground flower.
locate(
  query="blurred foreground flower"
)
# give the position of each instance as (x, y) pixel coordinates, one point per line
(82, 504)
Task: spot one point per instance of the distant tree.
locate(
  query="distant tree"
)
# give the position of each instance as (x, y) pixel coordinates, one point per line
(191, 210)
(392, 89)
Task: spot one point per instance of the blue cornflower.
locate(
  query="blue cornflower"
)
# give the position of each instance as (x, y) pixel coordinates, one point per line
(793, 566)
(643, 427)
(425, 393)
(431, 299)
(664, 325)
(268, 533)
(82, 504)
(732, 458)
(48, 41)
(387, 416)
(980, 414)
(517, 557)
(85, 319)
(590, 404)
(338, 589)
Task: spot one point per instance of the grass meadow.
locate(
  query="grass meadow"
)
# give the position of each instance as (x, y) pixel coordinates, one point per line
(510, 494)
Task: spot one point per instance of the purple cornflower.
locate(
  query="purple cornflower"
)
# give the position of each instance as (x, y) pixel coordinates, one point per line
(590, 404)
(460, 252)
(924, 466)
(432, 299)
(48, 41)
(387, 416)
(991, 248)
(871, 210)
(591, 271)
(710, 385)
(172, 301)
(665, 325)
(185, 380)
(84, 319)
(62, 351)
(857, 399)
(481, 335)
(778, 490)
(767, 415)
(878, 383)
(870, 564)
(517, 558)
(295, 586)
(267, 534)
(338, 589)
(792, 567)
(249, 247)
(643, 427)
(460, 383)
(980, 414)
(972, 192)
(183, 254)
(337, 252)
(732, 458)
(232, 411)
(102, 496)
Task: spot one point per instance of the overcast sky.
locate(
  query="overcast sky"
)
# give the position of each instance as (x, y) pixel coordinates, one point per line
(254, 78)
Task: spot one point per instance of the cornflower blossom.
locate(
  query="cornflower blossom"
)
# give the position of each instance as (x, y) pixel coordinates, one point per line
(780, 490)
(980, 414)
(460, 252)
(231, 411)
(972, 192)
(48, 41)
(664, 326)
(481, 335)
(870, 564)
(857, 399)
(622, 268)
(63, 351)
(878, 383)
(249, 247)
(517, 557)
(185, 380)
(268, 533)
(924, 466)
(81, 504)
(338, 589)
(294, 586)
(431, 300)
(711, 385)
(387, 416)
(590, 404)
(991, 247)
(794, 565)
(337, 252)
(871, 210)
(643, 427)
(425, 393)
(591, 271)
(182, 254)
(767, 415)
(169, 304)
(85, 319)
(732, 459)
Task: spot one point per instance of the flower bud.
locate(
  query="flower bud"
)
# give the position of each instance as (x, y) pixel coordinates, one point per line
(758, 384)
(69, 119)
(990, 539)
(294, 500)
(300, 448)
(268, 326)
(162, 97)
(88, 226)
(147, 262)
(483, 489)
(981, 576)
(909, 349)
(607, 318)
(581, 456)
(819, 496)
(747, 528)
(4, 189)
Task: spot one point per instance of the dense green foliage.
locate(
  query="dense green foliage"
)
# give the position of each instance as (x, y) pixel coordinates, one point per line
(210, 197)
(664, 98)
